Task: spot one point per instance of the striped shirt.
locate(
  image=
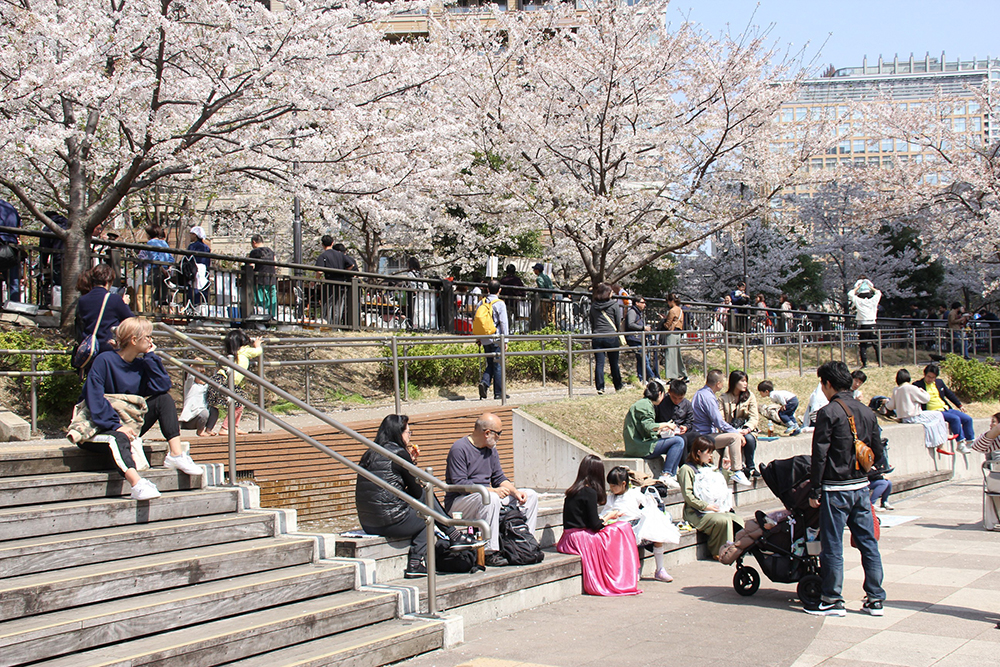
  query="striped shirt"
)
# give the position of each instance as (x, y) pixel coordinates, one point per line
(985, 444)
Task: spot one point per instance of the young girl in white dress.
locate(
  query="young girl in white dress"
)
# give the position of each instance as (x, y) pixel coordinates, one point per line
(651, 525)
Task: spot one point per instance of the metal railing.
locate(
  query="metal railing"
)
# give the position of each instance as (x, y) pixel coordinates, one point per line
(425, 508)
(234, 290)
(34, 374)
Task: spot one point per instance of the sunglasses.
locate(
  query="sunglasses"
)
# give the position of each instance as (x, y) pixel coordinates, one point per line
(487, 431)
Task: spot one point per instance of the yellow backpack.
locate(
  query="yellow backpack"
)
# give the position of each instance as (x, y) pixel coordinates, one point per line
(482, 322)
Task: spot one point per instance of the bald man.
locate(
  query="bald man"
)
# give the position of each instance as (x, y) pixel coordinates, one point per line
(473, 459)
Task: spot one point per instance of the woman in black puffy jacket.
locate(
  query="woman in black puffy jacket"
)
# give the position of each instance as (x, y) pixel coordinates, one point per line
(382, 512)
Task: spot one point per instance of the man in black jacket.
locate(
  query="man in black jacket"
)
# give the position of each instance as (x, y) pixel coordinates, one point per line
(678, 409)
(842, 485)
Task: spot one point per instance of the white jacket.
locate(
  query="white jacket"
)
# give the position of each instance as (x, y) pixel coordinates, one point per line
(907, 400)
(867, 309)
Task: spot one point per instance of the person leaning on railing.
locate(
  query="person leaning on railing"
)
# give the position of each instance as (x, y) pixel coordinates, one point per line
(382, 512)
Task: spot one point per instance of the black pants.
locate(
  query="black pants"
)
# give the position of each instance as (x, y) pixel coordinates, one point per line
(866, 332)
(412, 527)
(206, 419)
(159, 409)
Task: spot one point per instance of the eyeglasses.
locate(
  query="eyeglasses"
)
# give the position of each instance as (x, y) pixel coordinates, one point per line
(487, 431)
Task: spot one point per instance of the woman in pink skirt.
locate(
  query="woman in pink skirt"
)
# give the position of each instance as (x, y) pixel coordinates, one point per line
(610, 560)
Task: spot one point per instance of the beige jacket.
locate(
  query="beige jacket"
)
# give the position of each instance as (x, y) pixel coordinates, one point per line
(131, 410)
(747, 410)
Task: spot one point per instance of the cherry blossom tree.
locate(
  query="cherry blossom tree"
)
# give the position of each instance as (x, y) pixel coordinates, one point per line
(102, 100)
(622, 139)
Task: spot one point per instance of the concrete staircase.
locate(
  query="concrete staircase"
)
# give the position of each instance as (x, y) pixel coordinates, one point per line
(90, 577)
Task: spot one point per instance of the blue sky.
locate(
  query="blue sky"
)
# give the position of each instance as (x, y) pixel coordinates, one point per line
(853, 29)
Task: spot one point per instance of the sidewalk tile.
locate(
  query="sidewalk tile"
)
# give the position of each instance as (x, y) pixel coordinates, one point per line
(943, 576)
(971, 653)
(902, 648)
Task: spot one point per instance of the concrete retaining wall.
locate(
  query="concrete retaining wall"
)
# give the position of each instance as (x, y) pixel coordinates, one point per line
(547, 459)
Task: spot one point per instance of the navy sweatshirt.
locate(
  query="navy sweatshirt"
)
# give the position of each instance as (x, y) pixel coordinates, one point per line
(111, 374)
(89, 308)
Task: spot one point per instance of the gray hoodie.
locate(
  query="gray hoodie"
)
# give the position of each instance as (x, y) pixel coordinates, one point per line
(599, 324)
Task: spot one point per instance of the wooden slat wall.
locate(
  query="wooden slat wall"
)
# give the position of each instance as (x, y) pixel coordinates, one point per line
(293, 474)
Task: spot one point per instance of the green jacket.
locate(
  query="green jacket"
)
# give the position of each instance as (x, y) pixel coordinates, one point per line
(640, 428)
(543, 281)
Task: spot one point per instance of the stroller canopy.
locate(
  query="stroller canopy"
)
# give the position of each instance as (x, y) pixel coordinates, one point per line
(788, 480)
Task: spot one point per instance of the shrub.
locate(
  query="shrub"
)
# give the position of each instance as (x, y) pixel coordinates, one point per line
(450, 372)
(57, 393)
(972, 380)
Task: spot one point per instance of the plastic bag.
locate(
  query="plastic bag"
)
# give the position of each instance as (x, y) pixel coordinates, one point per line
(654, 525)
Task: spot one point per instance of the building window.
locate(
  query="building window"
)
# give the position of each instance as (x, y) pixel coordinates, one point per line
(900, 146)
(800, 113)
(844, 147)
(831, 163)
(859, 145)
(958, 124)
(976, 124)
(887, 145)
(973, 107)
(786, 115)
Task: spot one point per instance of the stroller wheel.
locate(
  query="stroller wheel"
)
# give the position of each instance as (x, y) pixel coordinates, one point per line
(746, 581)
(810, 589)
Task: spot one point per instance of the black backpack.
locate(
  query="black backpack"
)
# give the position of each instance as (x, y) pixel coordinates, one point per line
(447, 559)
(188, 270)
(517, 544)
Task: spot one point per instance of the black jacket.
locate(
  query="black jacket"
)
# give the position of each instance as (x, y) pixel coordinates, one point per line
(599, 324)
(681, 414)
(833, 458)
(376, 506)
(947, 395)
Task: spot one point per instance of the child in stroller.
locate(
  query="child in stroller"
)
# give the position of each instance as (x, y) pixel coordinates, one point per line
(781, 541)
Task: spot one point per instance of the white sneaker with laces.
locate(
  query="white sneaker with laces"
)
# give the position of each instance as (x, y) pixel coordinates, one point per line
(963, 447)
(670, 481)
(144, 490)
(183, 463)
(741, 479)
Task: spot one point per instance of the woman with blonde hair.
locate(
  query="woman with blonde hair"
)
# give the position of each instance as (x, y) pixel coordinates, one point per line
(134, 370)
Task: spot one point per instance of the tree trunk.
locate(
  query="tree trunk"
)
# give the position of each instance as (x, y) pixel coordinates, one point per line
(76, 260)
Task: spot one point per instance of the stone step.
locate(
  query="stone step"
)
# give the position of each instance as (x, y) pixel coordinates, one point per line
(380, 644)
(47, 457)
(71, 630)
(66, 550)
(50, 591)
(64, 487)
(499, 591)
(226, 640)
(55, 518)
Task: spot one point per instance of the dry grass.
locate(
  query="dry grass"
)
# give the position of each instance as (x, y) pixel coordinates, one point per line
(596, 421)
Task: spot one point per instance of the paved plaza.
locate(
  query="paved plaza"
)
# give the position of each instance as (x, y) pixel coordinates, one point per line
(942, 576)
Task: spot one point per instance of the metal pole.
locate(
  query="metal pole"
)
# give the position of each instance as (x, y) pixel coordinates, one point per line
(543, 365)
(725, 337)
(395, 374)
(843, 353)
(569, 363)
(763, 349)
(745, 353)
(308, 385)
(260, 389)
(406, 374)
(231, 418)
(642, 349)
(914, 332)
(800, 354)
(878, 351)
(34, 394)
(503, 370)
(431, 558)
(704, 351)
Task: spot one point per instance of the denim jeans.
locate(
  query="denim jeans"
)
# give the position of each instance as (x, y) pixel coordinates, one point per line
(748, 451)
(616, 373)
(492, 373)
(879, 490)
(671, 449)
(960, 424)
(650, 369)
(853, 509)
(787, 413)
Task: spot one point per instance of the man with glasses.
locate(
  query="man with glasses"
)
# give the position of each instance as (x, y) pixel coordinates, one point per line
(473, 459)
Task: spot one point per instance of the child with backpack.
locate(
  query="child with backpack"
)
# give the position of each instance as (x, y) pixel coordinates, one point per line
(652, 527)
(489, 324)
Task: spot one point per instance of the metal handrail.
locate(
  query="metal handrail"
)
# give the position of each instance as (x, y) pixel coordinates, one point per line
(430, 481)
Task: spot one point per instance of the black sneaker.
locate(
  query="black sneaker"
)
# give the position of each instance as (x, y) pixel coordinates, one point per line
(496, 559)
(463, 541)
(482, 390)
(827, 609)
(415, 570)
(873, 607)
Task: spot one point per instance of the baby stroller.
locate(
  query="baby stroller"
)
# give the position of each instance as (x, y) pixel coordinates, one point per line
(781, 546)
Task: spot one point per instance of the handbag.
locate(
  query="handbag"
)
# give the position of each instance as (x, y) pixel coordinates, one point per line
(864, 457)
(87, 349)
(621, 339)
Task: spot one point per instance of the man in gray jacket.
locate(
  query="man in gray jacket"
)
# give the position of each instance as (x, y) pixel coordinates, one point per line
(491, 344)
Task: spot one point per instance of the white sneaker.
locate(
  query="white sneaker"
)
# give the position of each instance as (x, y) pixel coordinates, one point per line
(663, 575)
(145, 490)
(963, 447)
(741, 479)
(670, 482)
(183, 463)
